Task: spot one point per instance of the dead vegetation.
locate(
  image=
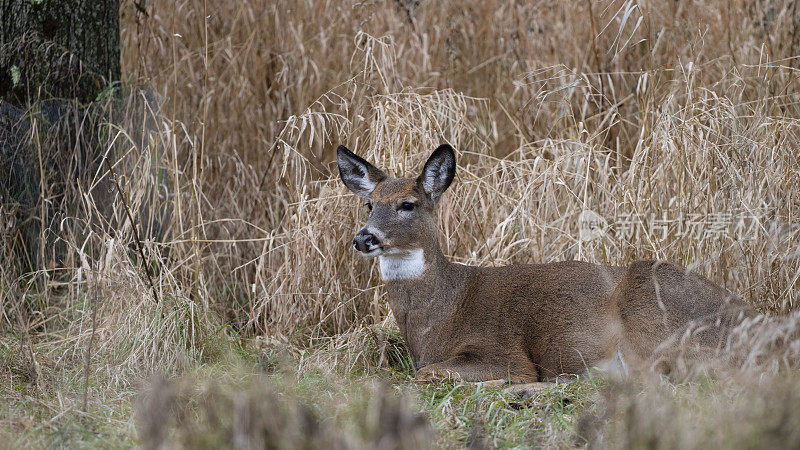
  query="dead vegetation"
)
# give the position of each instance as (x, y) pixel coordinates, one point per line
(664, 118)
(199, 413)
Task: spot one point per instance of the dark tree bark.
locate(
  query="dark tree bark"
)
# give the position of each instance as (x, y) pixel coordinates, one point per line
(58, 48)
(56, 58)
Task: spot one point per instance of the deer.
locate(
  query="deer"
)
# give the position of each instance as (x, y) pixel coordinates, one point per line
(521, 323)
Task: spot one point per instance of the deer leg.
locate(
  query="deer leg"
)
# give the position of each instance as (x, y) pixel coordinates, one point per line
(457, 370)
(527, 390)
(564, 378)
(489, 376)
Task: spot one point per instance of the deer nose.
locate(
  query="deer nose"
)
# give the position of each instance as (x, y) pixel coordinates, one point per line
(365, 241)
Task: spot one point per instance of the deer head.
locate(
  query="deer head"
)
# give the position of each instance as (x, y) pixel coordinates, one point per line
(401, 228)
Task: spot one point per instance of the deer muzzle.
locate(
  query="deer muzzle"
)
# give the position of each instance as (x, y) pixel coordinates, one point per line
(366, 242)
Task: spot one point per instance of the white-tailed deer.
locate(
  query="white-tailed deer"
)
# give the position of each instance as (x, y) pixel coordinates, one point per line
(523, 323)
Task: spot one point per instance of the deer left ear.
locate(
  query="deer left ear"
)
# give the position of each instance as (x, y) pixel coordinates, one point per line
(439, 172)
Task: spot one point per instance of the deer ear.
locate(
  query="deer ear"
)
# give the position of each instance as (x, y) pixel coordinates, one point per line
(357, 174)
(439, 172)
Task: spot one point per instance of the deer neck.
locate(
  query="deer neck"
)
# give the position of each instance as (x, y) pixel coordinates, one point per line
(417, 279)
(424, 304)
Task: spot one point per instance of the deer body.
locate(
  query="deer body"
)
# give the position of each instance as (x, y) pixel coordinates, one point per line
(506, 322)
(524, 323)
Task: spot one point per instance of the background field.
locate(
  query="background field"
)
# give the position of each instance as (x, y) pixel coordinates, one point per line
(246, 318)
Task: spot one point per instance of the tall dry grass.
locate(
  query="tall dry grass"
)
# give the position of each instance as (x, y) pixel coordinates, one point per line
(679, 109)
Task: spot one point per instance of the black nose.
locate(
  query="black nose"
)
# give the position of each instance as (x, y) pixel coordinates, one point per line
(365, 241)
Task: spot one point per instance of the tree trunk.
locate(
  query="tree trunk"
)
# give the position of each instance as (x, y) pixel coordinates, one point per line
(58, 48)
(52, 53)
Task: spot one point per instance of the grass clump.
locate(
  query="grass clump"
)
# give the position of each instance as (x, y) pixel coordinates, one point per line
(720, 413)
(276, 411)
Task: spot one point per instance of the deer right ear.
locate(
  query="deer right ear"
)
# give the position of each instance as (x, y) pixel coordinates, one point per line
(357, 174)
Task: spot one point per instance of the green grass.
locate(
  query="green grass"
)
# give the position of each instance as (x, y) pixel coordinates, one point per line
(346, 404)
(244, 391)
(51, 416)
(465, 414)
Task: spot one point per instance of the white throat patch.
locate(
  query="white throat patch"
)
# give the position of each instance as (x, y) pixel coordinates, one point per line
(399, 266)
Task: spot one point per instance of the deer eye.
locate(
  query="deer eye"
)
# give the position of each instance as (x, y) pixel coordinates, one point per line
(407, 206)
(368, 205)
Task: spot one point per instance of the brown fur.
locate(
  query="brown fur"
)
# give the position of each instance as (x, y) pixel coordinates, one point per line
(535, 322)
(529, 323)
(395, 189)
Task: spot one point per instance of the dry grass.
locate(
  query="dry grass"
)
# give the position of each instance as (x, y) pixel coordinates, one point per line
(666, 108)
(738, 413)
(679, 109)
(257, 412)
